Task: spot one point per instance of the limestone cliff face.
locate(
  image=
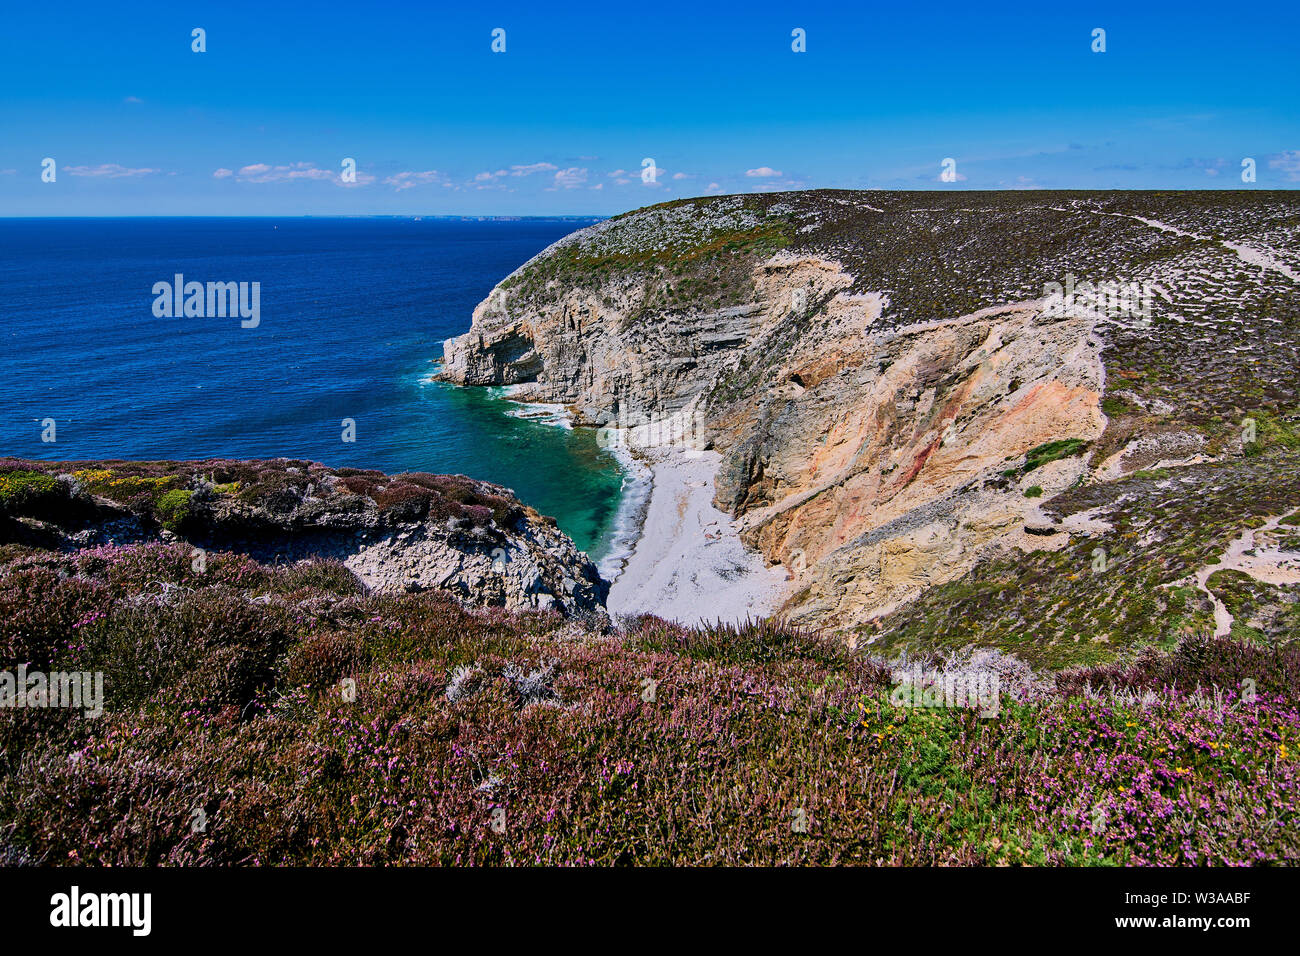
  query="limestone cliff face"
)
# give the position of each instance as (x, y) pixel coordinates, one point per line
(873, 369)
(592, 349)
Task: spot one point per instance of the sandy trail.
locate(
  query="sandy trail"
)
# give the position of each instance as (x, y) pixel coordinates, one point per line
(1267, 563)
(1261, 256)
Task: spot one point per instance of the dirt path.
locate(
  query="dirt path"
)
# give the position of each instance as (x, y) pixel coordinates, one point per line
(1268, 564)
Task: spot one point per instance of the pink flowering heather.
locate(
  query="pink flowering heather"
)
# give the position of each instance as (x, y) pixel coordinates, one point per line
(315, 724)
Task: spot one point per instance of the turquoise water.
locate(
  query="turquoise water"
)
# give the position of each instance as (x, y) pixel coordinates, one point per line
(562, 472)
(353, 313)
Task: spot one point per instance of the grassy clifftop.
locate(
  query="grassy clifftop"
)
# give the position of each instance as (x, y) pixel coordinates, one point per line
(403, 532)
(186, 495)
(689, 253)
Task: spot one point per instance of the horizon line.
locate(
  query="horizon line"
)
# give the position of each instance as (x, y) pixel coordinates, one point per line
(507, 217)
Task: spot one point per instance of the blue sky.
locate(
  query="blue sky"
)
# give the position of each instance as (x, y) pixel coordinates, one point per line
(560, 123)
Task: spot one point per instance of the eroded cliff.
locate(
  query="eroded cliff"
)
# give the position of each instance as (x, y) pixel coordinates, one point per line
(892, 380)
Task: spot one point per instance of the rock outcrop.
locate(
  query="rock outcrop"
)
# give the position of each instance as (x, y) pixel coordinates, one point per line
(397, 533)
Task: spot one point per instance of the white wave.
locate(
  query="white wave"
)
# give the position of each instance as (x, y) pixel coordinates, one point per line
(544, 413)
(629, 519)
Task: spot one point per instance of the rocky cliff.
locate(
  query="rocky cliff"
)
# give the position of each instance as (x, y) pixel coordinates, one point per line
(398, 533)
(902, 385)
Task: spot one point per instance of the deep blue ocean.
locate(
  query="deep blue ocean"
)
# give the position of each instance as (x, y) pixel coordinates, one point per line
(353, 314)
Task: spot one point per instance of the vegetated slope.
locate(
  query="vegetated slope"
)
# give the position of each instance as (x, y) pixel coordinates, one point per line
(258, 715)
(903, 406)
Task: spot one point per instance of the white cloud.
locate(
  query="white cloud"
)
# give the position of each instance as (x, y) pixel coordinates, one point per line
(1289, 162)
(531, 168)
(108, 170)
(714, 186)
(486, 178)
(571, 178)
(291, 172)
(133, 99)
(410, 178)
(681, 176)
(762, 172)
(489, 180)
(264, 173)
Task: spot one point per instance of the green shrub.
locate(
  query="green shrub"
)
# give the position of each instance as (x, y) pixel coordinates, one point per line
(173, 508)
(21, 490)
(1052, 451)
